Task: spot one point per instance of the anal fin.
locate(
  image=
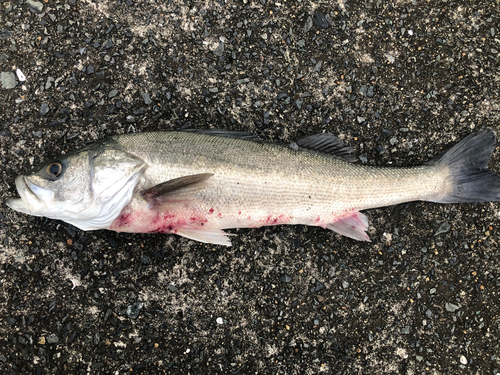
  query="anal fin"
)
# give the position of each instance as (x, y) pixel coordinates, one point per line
(213, 236)
(352, 226)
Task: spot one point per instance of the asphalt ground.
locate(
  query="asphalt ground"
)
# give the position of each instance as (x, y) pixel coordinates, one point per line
(398, 81)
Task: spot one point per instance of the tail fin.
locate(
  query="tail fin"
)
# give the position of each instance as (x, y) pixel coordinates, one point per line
(468, 163)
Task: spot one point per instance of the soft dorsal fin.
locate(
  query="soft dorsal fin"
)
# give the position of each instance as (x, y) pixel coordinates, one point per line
(329, 144)
(176, 189)
(226, 133)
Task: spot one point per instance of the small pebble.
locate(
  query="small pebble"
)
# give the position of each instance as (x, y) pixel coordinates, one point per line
(285, 278)
(320, 20)
(308, 24)
(8, 80)
(20, 76)
(445, 227)
(52, 339)
(172, 288)
(147, 99)
(35, 6)
(44, 109)
(134, 309)
(319, 286)
(220, 321)
(107, 44)
(219, 51)
(5, 34)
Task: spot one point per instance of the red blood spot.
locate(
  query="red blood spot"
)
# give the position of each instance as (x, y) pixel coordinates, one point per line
(193, 219)
(211, 211)
(239, 212)
(122, 220)
(219, 215)
(318, 219)
(157, 218)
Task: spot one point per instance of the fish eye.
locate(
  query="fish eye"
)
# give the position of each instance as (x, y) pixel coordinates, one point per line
(54, 170)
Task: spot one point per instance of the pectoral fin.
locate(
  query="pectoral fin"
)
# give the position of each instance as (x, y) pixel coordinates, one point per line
(176, 190)
(353, 226)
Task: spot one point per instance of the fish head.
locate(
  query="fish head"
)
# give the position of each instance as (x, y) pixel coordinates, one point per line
(87, 188)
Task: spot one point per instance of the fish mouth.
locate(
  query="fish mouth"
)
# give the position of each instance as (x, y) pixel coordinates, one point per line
(33, 197)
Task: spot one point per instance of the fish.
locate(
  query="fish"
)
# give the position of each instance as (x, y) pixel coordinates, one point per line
(196, 184)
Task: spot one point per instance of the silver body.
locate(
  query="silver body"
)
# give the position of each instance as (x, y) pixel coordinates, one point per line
(253, 184)
(262, 179)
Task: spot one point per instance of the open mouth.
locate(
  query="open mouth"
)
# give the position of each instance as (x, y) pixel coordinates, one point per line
(31, 196)
(19, 204)
(42, 194)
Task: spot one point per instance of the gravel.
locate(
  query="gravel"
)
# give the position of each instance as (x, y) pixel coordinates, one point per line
(8, 80)
(398, 81)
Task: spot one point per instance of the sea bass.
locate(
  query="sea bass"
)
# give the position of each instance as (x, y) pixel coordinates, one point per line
(195, 184)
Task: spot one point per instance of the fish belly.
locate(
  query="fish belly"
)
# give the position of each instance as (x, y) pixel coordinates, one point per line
(226, 204)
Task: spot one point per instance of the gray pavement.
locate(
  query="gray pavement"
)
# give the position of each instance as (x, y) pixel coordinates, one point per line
(399, 81)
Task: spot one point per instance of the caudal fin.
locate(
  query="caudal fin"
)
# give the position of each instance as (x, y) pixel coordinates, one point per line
(472, 181)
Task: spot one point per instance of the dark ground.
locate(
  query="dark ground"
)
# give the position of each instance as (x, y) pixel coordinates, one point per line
(399, 81)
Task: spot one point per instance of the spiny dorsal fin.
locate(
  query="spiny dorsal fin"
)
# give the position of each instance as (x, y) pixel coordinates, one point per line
(329, 144)
(226, 133)
(176, 189)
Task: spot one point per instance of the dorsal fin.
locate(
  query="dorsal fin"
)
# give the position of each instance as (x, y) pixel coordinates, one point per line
(329, 144)
(226, 133)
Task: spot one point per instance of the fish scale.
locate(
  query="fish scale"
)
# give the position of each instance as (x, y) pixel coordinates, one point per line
(278, 177)
(275, 185)
(196, 184)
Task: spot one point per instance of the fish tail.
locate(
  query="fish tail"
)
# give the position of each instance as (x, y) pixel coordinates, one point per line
(467, 162)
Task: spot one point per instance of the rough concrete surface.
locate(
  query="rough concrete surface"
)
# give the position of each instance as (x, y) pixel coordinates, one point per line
(399, 81)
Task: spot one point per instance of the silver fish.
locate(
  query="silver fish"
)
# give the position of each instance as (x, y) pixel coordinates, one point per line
(195, 184)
